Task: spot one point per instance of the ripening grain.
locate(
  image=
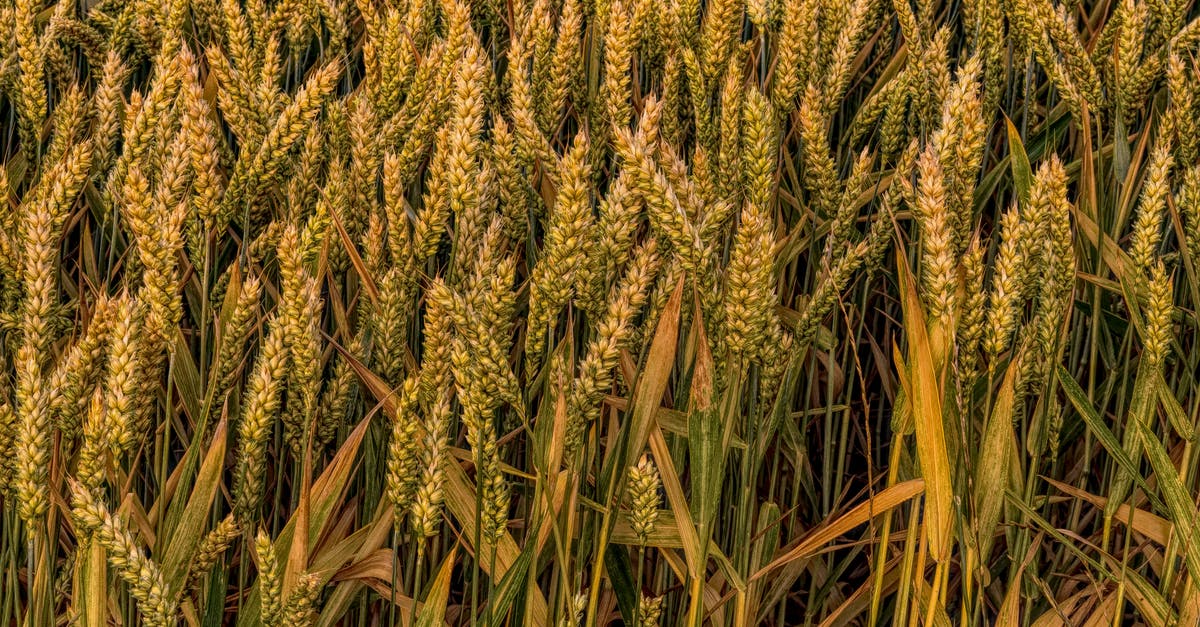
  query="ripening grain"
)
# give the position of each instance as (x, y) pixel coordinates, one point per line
(599, 312)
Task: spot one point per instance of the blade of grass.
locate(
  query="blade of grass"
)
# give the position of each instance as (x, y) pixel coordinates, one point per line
(926, 403)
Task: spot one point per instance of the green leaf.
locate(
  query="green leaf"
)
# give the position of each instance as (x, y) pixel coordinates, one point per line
(1141, 406)
(652, 382)
(709, 430)
(511, 586)
(1121, 152)
(1179, 502)
(187, 378)
(707, 465)
(1021, 170)
(997, 451)
(189, 531)
(1109, 441)
(1175, 413)
(1156, 605)
(620, 575)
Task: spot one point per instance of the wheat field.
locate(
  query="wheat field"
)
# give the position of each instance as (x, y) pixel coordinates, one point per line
(599, 312)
